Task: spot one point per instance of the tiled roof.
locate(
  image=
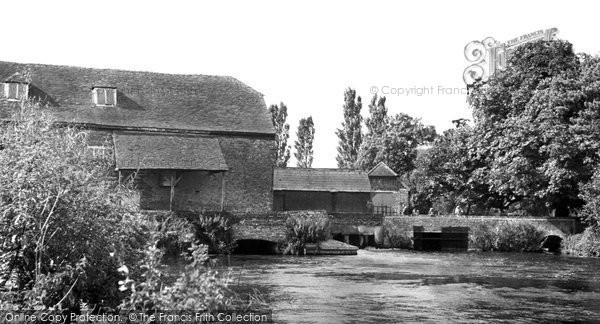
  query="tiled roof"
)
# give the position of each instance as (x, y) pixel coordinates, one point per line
(301, 179)
(382, 170)
(144, 99)
(134, 152)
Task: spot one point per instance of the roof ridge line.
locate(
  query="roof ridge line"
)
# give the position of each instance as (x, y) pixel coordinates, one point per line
(122, 70)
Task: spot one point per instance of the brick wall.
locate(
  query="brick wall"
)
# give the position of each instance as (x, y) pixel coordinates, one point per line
(249, 180)
(384, 183)
(99, 137)
(245, 187)
(197, 190)
(401, 199)
(322, 200)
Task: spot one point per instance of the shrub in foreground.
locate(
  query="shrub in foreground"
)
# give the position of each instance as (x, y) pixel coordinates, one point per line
(65, 222)
(508, 236)
(199, 287)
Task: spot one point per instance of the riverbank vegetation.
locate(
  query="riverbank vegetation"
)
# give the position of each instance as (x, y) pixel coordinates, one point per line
(302, 228)
(507, 236)
(72, 238)
(65, 224)
(587, 243)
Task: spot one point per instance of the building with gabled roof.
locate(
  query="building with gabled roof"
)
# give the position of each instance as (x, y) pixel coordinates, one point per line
(195, 142)
(382, 170)
(339, 190)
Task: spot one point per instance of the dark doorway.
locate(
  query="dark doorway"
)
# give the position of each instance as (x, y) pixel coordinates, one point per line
(255, 247)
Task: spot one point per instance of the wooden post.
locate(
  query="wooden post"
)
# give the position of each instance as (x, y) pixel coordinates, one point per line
(222, 189)
(172, 191)
(174, 182)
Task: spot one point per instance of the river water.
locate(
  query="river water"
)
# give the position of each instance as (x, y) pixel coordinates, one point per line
(391, 286)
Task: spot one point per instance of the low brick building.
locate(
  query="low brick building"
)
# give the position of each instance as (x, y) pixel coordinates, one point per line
(193, 142)
(339, 191)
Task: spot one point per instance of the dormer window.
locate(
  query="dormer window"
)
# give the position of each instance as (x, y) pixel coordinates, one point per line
(16, 91)
(105, 96)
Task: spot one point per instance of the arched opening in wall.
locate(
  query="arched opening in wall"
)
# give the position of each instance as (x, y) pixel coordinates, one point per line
(551, 243)
(255, 247)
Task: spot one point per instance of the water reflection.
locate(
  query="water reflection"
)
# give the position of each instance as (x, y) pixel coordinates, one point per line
(400, 286)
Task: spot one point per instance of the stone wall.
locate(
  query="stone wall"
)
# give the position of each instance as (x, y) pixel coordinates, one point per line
(265, 226)
(357, 219)
(403, 225)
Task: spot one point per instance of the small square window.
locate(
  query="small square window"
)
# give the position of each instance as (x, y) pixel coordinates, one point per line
(105, 96)
(97, 150)
(15, 91)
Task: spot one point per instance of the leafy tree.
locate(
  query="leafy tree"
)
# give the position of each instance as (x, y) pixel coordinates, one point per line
(447, 172)
(535, 127)
(350, 135)
(282, 133)
(304, 143)
(65, 222)
(396, 145)
(460, 122)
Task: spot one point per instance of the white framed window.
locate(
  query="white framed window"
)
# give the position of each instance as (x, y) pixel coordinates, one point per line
(16, 91)
(104, 96)
(97, 150)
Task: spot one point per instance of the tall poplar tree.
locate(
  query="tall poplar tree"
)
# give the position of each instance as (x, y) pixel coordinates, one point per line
(282, 133)
(304, 143)
(377, 121)
(350, 134)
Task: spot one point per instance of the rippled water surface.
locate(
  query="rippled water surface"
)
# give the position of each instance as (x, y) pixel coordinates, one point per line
(400, 286)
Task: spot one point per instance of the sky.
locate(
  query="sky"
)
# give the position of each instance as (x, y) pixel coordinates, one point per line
(302, 53)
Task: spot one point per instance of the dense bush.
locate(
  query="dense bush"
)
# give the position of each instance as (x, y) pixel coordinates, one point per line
(215, 231)
(177, 231)
(305, 228)
(586, 244)
(508, 236)
(199, 287)
(67, 229)
(396, 236)
(65, 222)
(590, 193)
(175, 235)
